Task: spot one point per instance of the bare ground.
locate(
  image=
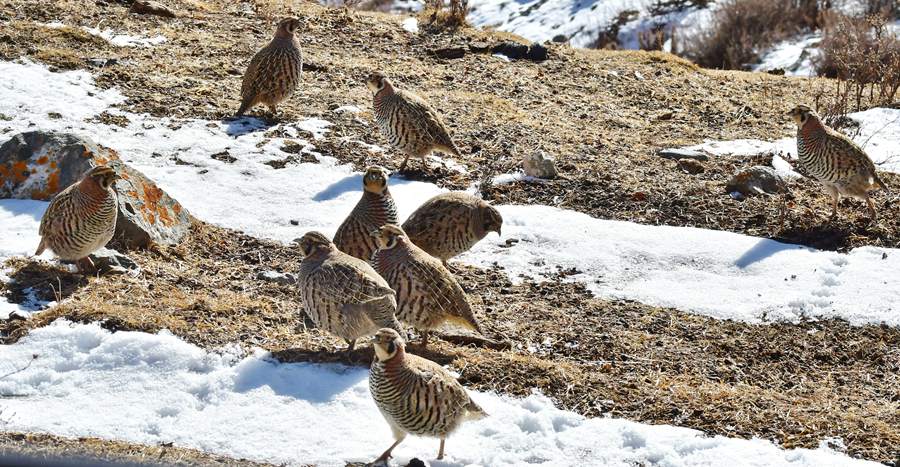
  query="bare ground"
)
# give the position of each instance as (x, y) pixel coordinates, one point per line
(611, 111)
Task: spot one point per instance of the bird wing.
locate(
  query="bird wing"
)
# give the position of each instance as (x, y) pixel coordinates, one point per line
(427, 120)
(443, 290)
(250, 83)
(346, 281)
(439, 382)
(52, 220)
(846, 146)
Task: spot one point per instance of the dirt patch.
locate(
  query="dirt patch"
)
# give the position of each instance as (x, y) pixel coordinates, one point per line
(793, 383)
(38, 448)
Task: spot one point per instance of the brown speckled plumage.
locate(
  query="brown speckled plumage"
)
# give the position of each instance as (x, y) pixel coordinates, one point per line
(342, 294)
(374, 209)
(427, 293)
(274, 72)
(416, 395)
(81, 218)
(451, 223)
(409, 123)
(834, 160)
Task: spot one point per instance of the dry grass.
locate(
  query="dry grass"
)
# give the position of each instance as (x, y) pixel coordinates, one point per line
(743, 28)
(438, 16)
(616, 110)
(864, 57)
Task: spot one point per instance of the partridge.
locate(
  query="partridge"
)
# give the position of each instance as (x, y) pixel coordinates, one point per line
(81, 218)
(374, 209)
(451, 223)
(427, 293)
(409, 123)
(834, 160)
(274, 72)
(342, 294)
(416, 396)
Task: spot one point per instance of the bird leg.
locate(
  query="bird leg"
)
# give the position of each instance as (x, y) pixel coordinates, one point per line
(872, 213)
(424, 339)
(85, 265)
(441, 450)
(403, 164)
(387, 454)
(351, 343)
(834, 205)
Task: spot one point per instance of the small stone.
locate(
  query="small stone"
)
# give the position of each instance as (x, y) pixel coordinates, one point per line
(149, 7)
(415, 462)
(513, 50)
(295, 222)
(676, 154)
(102, 62)
(449, 53)
(691, 166)
(756, 180)
(540, 165)
(479, 46)
(538, 52)
(109, 261)
(560, 39)
(277, 277)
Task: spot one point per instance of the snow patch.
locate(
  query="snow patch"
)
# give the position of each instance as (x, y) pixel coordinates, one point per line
(19, 223)
(119, 40)
(152, 389)
(411, 25)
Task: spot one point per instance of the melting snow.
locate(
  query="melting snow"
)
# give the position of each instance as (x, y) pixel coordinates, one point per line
(153, 389)
(120, 40)
(411, 24)
(715, 273)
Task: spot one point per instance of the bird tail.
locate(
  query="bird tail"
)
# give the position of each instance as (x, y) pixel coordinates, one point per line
(474, 411)
(41, 247)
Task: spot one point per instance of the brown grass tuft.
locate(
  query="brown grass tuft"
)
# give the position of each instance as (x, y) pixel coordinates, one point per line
(438, 17)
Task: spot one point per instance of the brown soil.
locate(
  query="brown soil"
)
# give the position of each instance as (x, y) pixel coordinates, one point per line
(38, 448)
(611, 111)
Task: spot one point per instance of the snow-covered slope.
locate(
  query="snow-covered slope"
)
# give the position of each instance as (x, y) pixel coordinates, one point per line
(155, 389)
(720, 274)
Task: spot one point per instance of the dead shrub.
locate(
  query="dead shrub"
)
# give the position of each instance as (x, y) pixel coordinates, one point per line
(438, 16)
(743, 28)
(864, 57)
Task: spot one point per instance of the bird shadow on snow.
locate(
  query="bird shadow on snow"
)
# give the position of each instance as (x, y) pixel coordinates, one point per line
(239, 126)
(24, 207)
(351, 183)
(311, 382)
(762, 250)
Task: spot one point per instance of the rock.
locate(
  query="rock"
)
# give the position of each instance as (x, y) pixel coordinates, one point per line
(102, 62)
(277, 277)
(38, 165)
(149, 7)
(19, 315)
(513, 50)
(110, 261)
(756, 180)
(560, 39)
(415, 462)
(677, 154)
(479, 46)
(691, 166)
(540, 165)
(449, 53)
(537, 52)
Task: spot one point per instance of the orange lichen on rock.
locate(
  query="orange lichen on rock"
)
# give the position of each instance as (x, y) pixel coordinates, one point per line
(152, 207)
(42, 160)
(176, 208)
(50, 190)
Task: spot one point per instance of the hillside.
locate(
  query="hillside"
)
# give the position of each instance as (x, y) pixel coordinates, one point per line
(627, 287)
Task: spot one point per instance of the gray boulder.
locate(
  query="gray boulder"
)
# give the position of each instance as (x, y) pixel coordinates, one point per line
(756, 180)
(540, 165)
(679, 153)
(38, 165)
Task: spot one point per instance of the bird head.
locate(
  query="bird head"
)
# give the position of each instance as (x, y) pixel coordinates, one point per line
(103, 175)
(312, 242)
(375, 179)
(388, 235)
(387, 343)
(802, 113)
(287, 27)
(492, 220)
(377, 81)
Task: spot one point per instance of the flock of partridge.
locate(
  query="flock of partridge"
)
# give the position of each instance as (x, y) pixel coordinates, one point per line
(376, 273)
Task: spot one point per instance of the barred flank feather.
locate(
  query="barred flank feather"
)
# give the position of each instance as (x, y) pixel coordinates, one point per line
(449, 224)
